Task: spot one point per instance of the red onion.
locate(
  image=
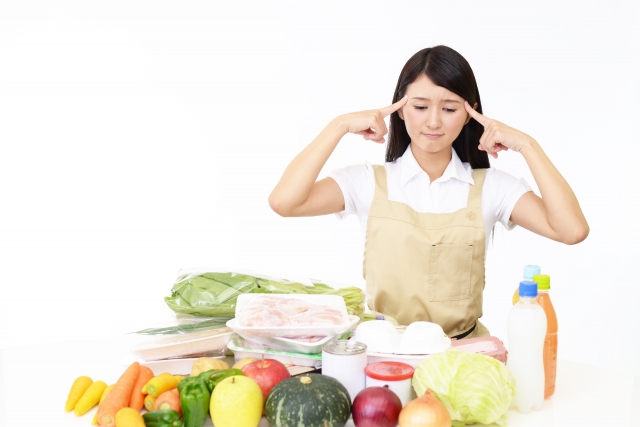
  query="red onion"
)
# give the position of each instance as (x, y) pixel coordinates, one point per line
(376, 407)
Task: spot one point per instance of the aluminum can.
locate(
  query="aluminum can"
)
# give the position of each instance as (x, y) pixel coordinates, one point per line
(346, 360)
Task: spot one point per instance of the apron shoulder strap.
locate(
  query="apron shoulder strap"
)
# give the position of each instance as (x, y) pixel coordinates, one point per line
(380, 174)
(475, 192)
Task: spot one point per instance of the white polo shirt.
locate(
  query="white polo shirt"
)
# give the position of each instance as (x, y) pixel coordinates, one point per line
(409, 184)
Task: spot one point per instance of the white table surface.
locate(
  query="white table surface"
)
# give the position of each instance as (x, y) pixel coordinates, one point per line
(34, 382)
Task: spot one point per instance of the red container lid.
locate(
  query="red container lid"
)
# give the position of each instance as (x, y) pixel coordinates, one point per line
(389, 371)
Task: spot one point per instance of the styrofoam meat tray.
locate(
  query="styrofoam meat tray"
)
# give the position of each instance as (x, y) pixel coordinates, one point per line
(241, 350)
(291, 345)
(332, 301)
(292, 331)
(297, 345)
(183, 344)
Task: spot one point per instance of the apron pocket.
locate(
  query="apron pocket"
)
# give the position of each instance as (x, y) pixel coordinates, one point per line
(450, 278)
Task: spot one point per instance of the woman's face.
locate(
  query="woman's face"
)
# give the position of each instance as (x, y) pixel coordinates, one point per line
(433, 116)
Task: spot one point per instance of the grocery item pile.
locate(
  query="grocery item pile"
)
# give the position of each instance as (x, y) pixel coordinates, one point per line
(215, 294)
(303, 356)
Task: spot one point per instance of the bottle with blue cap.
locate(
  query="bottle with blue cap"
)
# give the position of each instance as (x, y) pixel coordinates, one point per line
(526, 330)
(529, 272)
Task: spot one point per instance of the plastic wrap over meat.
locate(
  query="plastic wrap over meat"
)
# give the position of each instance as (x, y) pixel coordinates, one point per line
(291, 316)
(270, 311)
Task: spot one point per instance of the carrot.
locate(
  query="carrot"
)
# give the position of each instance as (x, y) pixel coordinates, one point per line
(79, 386)
(90, 398)
(106, 391)
(137, 397)
(149, 401)
(163, 382)
(119, 396)
(169, 400)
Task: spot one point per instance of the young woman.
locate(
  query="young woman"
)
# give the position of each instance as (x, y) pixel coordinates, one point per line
(429, 210)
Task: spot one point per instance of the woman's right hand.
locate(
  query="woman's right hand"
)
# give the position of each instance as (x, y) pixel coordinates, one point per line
(298, 193)
(370, 124)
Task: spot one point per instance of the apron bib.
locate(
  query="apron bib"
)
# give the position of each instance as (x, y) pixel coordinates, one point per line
(426, 266)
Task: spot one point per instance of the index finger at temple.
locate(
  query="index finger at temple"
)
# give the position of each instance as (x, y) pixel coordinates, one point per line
(385, 111)
(483, 120)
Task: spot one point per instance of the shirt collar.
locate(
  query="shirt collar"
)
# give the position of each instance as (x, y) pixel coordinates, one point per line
(455, 169)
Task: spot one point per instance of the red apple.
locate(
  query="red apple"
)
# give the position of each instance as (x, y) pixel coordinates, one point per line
(267, 373)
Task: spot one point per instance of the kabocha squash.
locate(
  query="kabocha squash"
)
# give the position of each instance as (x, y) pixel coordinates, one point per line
(310, 400)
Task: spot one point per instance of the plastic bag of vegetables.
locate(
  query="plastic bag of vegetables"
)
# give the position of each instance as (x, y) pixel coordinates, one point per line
(215, 294)
(473, 387)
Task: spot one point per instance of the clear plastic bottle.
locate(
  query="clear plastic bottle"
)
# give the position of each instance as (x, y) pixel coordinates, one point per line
(529, 272)
(526, 328)
(551, 340)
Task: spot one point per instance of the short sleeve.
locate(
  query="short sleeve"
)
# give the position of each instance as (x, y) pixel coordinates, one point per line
(355, 182)
(505, 190)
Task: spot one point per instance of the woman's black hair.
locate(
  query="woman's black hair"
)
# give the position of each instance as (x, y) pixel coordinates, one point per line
(446, 68)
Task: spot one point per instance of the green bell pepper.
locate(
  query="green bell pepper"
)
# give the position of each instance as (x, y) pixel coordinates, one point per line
(162, 418)
(194, 400)
(187, 380)
(214, 376)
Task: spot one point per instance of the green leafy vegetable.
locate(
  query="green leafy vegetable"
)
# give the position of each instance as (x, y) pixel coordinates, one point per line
(473, 387)
(215, 294)
(183, 329)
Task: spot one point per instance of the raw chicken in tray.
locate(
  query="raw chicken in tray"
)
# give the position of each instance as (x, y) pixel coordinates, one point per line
(270, 311)
(291, 315)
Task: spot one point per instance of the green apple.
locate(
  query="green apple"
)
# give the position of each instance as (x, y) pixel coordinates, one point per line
(236, 402)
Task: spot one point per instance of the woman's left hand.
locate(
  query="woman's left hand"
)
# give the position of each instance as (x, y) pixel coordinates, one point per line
(497, 136)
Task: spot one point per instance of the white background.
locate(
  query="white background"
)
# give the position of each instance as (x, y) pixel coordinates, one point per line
(139, 138)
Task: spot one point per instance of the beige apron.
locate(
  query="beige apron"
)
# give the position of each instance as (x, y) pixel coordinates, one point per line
(426, 266)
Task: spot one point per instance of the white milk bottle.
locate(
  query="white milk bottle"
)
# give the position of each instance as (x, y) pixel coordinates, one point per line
(527, 328)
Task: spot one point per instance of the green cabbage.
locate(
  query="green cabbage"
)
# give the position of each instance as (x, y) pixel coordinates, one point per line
(473, 387)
